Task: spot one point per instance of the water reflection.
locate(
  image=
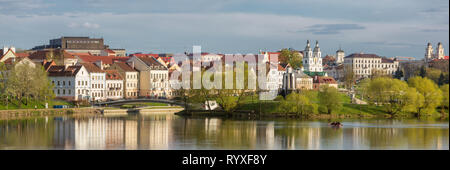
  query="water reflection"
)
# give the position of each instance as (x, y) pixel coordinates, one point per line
(167, 131)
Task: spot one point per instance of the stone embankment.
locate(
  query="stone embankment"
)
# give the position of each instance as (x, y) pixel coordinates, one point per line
(21, 113)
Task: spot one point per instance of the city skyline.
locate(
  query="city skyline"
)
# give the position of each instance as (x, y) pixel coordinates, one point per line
(388, 28)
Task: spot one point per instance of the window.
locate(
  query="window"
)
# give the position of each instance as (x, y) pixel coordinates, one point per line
(69, 83)
(58, 91)
(58, 83)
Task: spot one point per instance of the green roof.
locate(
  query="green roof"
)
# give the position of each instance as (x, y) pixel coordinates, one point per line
(314, 73)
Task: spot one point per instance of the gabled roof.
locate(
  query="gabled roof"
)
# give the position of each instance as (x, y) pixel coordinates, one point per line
(92, 68)
(43, 54)
(152, 63)
(9, 51)
(323, 79)
(104, 59)
(61, 71)
(124, 66)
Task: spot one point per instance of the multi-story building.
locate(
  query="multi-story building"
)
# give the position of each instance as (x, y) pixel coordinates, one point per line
(153, 77)
(364, 65)
(70, 82)
(97, 81)
(131, 78)
(114, 85)
(335, 71)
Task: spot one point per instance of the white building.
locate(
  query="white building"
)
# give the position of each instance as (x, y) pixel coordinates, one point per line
(312, 60)
(97, 81)
(364, 65)
(70, 82)
(114, 85)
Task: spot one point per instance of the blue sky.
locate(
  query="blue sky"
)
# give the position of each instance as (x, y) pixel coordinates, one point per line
(384, 27)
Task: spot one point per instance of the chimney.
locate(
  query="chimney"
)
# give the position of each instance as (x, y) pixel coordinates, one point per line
(5, 49)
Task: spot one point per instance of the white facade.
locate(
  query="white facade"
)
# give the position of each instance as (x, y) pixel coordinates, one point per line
(131, 84)
(98, 86)
(114, 89)
(312, 60)
(72, 87)
(364, 65)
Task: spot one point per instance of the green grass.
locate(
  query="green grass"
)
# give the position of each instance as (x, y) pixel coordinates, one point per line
(142, 104)
(40, 104)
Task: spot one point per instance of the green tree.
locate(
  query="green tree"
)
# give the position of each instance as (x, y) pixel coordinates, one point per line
(349, 77)
(291, 57)
(298, 103)
(393, 94)
(29, 82)
(398, 74)
(423, 71)
(441, 80)
(445, 97)
(3, 79)
(431, 93)
(433, 74)
(329, 97)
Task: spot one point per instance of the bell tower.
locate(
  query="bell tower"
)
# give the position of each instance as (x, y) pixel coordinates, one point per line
(429, 52)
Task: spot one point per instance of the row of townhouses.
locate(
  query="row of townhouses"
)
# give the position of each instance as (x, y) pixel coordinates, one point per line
(81, 68)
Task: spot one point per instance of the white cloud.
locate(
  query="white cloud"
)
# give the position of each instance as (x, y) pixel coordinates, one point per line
(247, 32)
(87, 25)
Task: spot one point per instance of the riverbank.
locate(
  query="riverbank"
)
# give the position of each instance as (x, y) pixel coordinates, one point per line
(22, 113)
(256, 115)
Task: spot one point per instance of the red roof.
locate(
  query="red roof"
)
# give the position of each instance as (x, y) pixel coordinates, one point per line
(281, 68)
(57, 71)
(113, 75)
(144, 55)
(322, 79)
(109, 51)
(166, 59)
(104, 59)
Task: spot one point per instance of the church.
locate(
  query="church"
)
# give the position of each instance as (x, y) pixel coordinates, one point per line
(312, 60)
(429, 56)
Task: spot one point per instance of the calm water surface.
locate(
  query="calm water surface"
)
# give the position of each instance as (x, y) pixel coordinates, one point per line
(168, 131)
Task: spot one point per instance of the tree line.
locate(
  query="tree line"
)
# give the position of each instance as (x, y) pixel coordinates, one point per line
(418, 95)
(22, 83)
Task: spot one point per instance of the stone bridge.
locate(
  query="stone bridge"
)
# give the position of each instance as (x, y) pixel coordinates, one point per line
(125, 101)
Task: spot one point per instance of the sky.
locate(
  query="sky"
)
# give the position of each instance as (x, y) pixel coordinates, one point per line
(384, 27)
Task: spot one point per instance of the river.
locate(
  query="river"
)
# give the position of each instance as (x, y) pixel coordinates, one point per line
(168, 131)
